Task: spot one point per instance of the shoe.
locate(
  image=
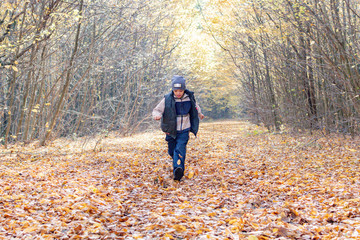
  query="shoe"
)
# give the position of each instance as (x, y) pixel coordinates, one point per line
(179, 173)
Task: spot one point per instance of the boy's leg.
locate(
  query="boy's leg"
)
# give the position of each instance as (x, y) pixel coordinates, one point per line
(180, 151)
(171, 145)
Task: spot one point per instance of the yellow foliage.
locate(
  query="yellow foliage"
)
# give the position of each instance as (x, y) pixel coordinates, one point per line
(179, 228)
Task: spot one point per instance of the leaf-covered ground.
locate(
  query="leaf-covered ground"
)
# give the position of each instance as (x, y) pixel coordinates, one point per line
(240, 183)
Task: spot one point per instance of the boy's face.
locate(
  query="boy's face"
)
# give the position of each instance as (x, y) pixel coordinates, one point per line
(178, 93)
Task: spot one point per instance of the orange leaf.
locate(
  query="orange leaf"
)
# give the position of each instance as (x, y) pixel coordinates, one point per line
(179, 228)
(169, 236)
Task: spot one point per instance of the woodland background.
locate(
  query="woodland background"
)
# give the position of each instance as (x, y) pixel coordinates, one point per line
(75, 68)
(78, 82)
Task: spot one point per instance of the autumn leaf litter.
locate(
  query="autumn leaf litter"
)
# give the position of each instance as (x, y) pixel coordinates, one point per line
(241, 182)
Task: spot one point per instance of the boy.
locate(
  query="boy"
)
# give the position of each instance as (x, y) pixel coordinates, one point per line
(179, 115)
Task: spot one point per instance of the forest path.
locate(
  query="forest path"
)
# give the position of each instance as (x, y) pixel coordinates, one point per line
(240, 183)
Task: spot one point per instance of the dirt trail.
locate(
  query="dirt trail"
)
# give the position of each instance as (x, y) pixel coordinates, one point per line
(240, 183)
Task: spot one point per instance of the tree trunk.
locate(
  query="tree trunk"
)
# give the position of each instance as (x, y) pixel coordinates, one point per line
(67, 81)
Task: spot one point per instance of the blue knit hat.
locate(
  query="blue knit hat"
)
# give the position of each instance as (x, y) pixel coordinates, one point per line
(178, 82)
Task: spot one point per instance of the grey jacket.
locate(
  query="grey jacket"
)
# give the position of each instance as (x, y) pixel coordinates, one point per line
(183, 109)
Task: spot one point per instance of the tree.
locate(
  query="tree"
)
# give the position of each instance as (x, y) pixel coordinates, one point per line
(300, 61)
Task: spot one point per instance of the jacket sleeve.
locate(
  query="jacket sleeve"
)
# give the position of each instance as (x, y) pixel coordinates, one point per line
(198, 108)
(159, 109)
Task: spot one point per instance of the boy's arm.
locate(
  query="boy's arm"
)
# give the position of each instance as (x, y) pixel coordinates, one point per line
(159, 110)
(201, 116)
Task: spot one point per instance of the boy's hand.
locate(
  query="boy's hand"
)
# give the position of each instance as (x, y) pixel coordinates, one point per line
(201, 116)
(157, 117)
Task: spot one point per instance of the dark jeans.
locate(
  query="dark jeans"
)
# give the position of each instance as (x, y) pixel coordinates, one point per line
(177, 149)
